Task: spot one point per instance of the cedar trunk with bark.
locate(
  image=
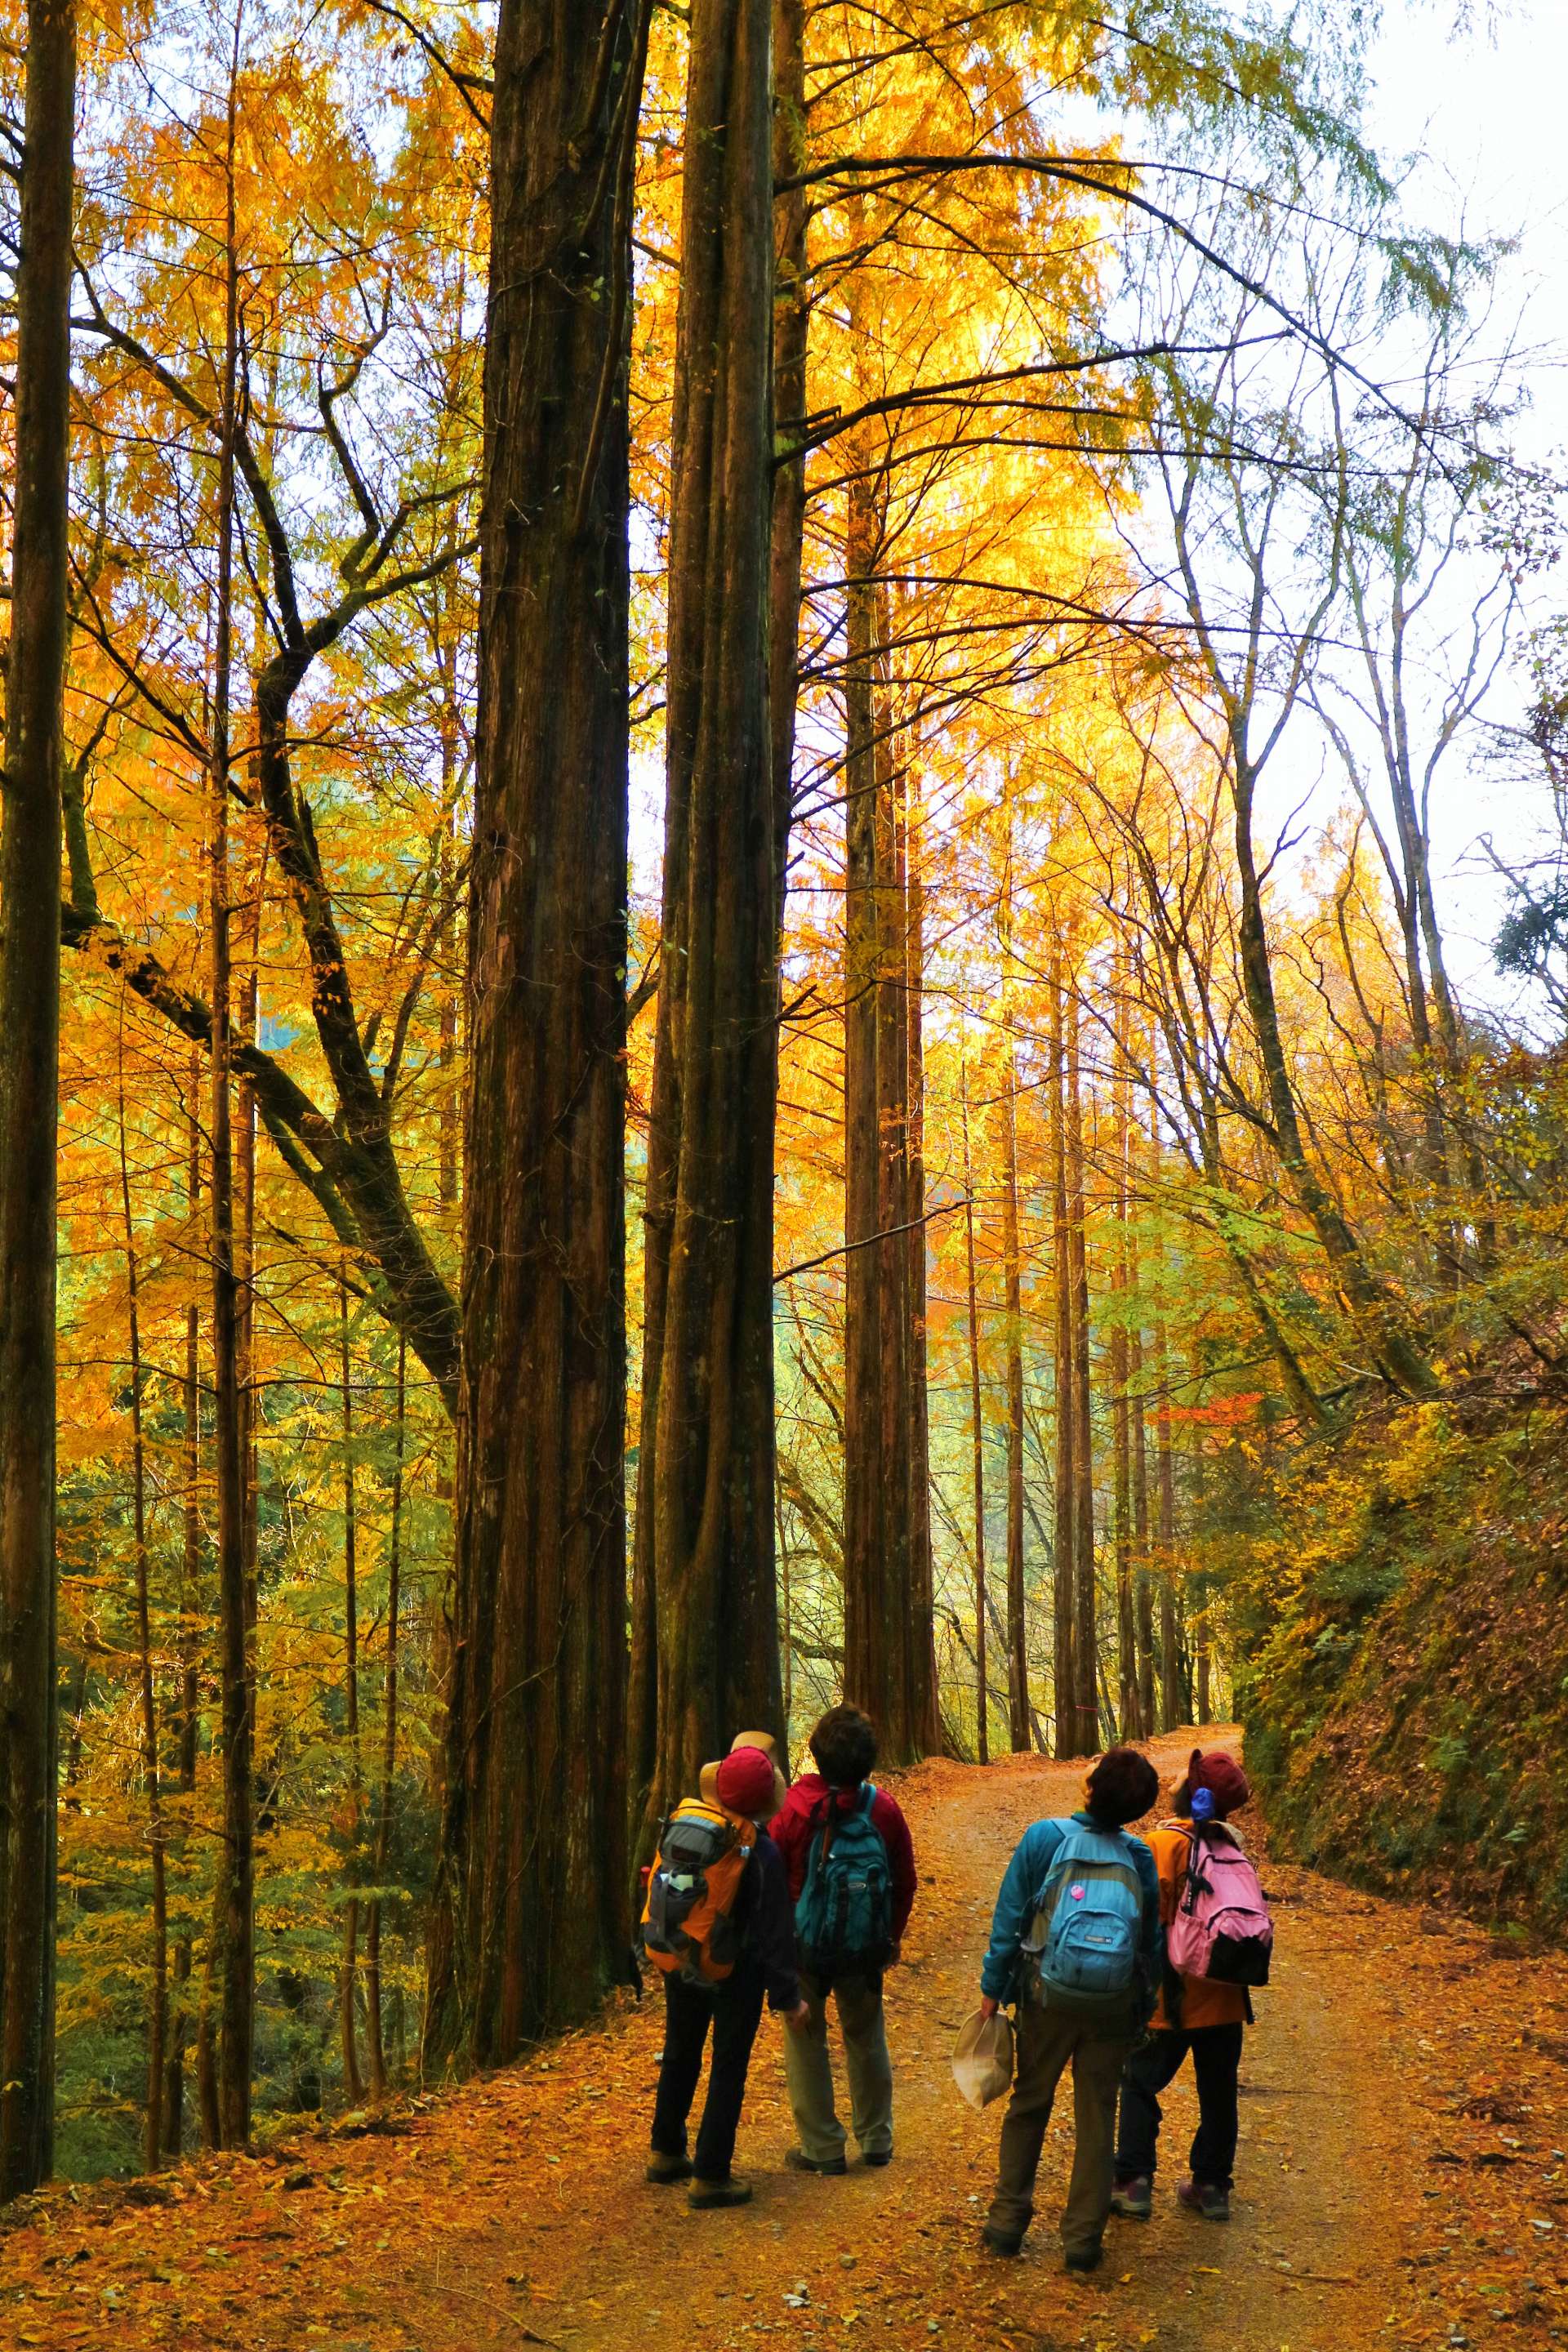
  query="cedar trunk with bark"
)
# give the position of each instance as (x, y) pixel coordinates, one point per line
(529, 1921)
(888, 1646)
(29, 1090)
(705, 1603)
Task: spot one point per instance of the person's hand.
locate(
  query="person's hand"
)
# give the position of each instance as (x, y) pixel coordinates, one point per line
(988, 2007)
(798, 2018)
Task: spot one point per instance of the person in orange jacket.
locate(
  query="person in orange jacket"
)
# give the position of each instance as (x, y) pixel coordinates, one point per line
(1195, 2014)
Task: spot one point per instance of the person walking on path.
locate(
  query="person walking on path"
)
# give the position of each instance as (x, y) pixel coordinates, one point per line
(851, 1870)
(734, 1950)
(1075, 1942)
(1196, 2014)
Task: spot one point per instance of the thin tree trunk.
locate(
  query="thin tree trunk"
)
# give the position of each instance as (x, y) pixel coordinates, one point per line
(158, 1924)
(1085, 1650)
(235, 1896)
(190, 1575)
(1142, 1585)
(374, 2036)
(1128, 1724)
(978, 1433)
(1369, 1301)
(706, 1470)
(1064, 1580)
(348, 1980)
(1017, 1626)
(29, 1096)
(529, 1922)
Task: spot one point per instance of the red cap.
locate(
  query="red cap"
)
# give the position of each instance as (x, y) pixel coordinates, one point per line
(1222, 1776)
(745, 1781)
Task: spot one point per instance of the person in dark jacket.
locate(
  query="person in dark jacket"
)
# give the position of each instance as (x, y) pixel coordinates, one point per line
(844, 1747)
(1122, 1786)
(744, 1785)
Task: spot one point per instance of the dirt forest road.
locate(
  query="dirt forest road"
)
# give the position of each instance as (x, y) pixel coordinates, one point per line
(1401, 2178)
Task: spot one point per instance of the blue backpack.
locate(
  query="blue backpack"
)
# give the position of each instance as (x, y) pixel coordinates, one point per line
(844, 1919)
(1082, 1952)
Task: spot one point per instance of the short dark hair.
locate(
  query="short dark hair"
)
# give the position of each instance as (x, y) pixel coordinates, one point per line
(1123, 1786)
(845, 1746)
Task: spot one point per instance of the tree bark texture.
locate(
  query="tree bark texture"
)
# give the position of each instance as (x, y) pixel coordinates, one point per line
(29, 1092)
(888, 1649)
(529, 1922)
(706, 1466)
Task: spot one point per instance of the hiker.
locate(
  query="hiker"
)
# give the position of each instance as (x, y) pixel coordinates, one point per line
(1202, 2013)
(717, 1922)
(1075, 1942)
(851, 1869)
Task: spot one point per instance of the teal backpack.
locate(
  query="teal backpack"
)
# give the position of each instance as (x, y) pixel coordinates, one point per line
(1082, 1952)
(844, 1919)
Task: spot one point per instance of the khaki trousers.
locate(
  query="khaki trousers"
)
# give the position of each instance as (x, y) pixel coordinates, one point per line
(1048, 2041)
(808, 2070)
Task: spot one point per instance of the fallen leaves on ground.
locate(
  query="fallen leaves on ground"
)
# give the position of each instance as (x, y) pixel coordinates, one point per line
(1401, 2179)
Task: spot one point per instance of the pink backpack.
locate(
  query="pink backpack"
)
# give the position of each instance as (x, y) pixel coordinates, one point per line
(1222, 1929)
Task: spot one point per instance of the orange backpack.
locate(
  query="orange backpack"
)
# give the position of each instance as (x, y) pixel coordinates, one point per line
(688, 1922)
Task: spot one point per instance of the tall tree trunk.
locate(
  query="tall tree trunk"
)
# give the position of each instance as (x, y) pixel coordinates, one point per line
(173, 2102)
(1127, 1722)
(1086, 1648)
(1143, 1586)
(1166, 1471)
(923, 1570)
(234, 1893)
(158, 1923)
(348, 1979)
(1064, 1579)
(977, 1428)
(706, 1469)
(29, 1094)
(792, 344)
(529, 1921)
(1017, 1626)
(374, 2033)
(889, 1661)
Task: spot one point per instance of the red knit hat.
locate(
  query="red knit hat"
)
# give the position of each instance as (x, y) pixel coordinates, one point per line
(1222, 1776)
(745, 1781)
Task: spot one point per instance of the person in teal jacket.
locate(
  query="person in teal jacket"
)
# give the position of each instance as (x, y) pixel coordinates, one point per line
(1122, 1788)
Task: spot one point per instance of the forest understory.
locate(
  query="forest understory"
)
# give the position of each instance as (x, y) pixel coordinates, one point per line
(1402, 2177)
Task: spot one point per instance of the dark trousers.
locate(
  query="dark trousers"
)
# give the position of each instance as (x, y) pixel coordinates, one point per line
(734, 2012)
(1217, 2062)
(1048, 2041)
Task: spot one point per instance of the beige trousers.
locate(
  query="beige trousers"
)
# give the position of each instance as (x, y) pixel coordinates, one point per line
(808, 2070)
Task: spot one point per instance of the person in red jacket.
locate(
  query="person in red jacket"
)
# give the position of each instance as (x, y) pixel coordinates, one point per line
(843, 1746)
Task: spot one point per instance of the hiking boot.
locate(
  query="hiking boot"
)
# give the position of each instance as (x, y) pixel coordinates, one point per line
(877, 2157)
(1134, 2199)
(1200, 2197)
(1000, 2242)
(704, 2195)
(662, 2169)
(1083, 2258)
(798, 2161)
